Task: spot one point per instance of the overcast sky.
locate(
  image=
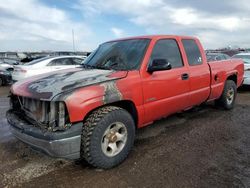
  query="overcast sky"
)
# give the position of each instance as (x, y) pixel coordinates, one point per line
(31, 25)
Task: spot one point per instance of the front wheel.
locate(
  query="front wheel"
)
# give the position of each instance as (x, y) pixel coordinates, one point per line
(107, 137)
(228, 96)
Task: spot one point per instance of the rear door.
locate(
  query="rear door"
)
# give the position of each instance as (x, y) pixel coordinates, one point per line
(198, 70)
(166, 92)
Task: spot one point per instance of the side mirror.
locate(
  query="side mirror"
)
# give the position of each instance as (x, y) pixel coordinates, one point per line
(159, 65)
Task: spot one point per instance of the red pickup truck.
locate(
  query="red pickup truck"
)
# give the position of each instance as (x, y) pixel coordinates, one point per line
(92, 112)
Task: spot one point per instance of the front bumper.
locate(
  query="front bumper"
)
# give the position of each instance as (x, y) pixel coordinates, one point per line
(62, 144)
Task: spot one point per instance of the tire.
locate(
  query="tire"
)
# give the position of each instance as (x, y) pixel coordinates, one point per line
(107, 137)
(228, 96)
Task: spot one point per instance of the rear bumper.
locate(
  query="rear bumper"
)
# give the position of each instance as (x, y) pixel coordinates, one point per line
(64, 144)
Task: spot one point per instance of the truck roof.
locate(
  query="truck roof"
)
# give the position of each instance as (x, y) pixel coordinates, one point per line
(156, 37)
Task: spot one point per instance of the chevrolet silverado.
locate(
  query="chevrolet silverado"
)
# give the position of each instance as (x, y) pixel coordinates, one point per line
(92, 112)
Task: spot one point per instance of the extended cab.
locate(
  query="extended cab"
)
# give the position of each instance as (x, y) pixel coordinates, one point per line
(92, 112)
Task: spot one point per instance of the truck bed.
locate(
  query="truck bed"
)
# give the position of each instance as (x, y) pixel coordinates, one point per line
(220, 70)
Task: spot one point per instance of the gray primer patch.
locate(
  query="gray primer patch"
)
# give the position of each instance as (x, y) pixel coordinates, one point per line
(111, 93)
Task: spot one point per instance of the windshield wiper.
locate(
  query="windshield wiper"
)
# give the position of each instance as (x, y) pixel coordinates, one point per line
(109, 66)
(87, 66)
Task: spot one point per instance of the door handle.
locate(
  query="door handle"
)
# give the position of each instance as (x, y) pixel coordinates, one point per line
(185, 76)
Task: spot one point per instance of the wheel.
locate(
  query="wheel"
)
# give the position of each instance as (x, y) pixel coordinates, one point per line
(107, 137)
(228, 96)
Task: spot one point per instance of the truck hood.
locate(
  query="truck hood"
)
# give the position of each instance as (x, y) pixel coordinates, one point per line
(47, 86)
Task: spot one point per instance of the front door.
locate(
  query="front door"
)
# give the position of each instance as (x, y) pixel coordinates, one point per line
(166, 92)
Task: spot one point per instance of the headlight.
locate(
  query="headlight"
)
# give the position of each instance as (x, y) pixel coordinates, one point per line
(61, 115)
(57, 116)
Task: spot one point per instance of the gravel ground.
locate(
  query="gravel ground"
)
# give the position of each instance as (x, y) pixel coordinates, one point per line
(203, 147)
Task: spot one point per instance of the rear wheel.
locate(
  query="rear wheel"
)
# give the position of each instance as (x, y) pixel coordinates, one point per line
(228, 96)
(107, 137)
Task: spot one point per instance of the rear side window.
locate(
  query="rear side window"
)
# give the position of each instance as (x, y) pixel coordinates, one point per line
(167, 49)
(192, 51)
(219, 57)
(77, 61)
(60, 62)
(226, 56)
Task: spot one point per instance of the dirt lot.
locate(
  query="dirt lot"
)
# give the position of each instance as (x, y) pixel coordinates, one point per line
(204, 147)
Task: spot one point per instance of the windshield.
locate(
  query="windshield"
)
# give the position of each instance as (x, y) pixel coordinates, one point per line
(118, 55)
(245, 58)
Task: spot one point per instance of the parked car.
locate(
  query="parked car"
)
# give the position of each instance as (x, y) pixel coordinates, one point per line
(246, 59)
(92, 112)
(6, 70)
(211, 56)
(45, 65)
(12, 56)
(5, 76)
(8, 63)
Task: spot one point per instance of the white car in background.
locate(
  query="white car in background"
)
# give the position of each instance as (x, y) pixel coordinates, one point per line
(246, 59)
(45, 65)
(8, 63)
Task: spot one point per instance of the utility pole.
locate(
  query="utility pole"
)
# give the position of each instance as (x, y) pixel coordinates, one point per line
(73, 40)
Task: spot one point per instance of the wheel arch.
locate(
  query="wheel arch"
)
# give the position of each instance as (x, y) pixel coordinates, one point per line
(127, 105)
(233, 77)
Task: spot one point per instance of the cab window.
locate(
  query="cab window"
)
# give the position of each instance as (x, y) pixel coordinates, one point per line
(167, 49)
(192, 51)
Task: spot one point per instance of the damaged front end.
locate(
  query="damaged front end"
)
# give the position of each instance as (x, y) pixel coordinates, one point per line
(45, 126)
(48, 115)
